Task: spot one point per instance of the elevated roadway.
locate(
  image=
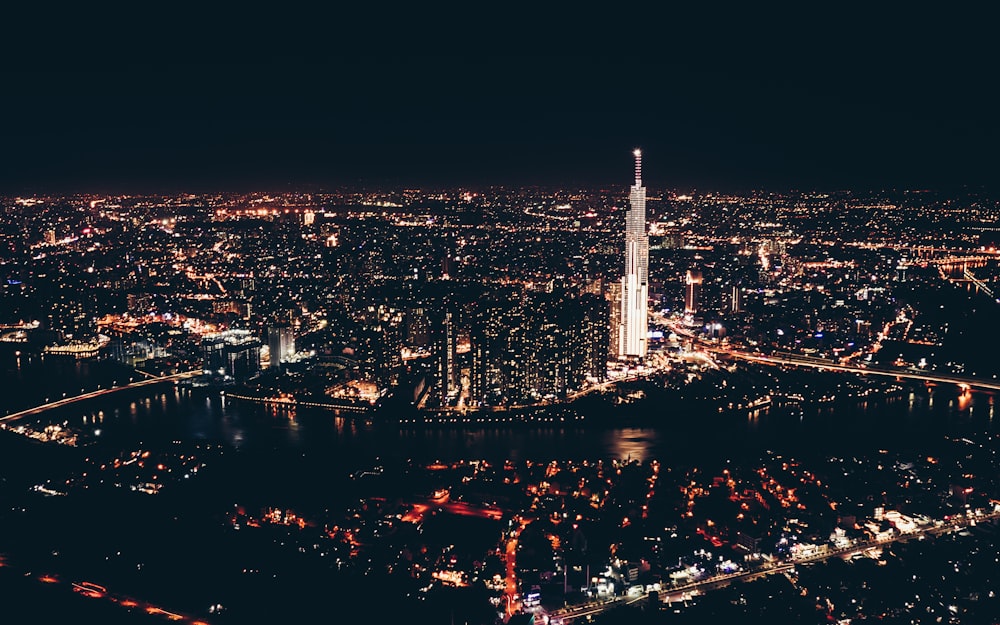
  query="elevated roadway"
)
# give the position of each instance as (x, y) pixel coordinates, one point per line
(678, 593)
(98, 393)
(817, 363)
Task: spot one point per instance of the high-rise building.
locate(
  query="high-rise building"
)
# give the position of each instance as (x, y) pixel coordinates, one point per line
(497, 337)
(692, 291)
(445, 342)
(593, 329)
(377, 340)
(281, 343)
(417, 327)
(736, 299)
(901, 270)
(233, 353)
(633, 330)
(615, 298)
(527, 347)
(329, 231)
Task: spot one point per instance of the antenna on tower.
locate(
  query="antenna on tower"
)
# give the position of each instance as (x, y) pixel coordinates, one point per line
(638, 166)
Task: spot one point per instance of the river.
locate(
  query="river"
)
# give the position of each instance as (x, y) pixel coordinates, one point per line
(167, 413)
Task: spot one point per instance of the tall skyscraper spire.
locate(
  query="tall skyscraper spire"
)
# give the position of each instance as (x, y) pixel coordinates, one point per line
(633, 330)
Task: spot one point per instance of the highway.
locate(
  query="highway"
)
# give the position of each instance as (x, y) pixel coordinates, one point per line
(820, 363)
(98, 393)
(603, 386)
(292, 403)
(511, 594)
(941, 378)
(980, 284)
(678, 593)
(587, 610)
(101, 593)
(955, 524)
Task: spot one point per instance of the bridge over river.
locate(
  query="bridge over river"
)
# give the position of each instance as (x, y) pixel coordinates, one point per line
(98, 393)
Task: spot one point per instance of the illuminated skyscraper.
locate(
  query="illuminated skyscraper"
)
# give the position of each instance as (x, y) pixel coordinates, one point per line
(445, 340)
(233, 353)
(614, 302)
(633, 328)
(692, 291)
(736, 299)
(281, 342)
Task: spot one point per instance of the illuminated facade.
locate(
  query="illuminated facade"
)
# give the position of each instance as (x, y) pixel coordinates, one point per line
(445, 341)
(692, 291)
(281, 343)
(233, 353)
(528, 347)
(633, 327)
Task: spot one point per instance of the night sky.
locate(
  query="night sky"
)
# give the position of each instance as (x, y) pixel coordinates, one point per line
(816, 101)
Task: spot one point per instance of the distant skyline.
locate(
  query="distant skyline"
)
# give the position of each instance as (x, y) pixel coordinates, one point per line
(781, 109)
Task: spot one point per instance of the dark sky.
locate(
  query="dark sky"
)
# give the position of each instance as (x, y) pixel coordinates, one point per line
(811, 101)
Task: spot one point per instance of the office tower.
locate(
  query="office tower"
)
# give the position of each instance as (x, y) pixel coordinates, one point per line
(378, 342)
(593, 330)
(417, 327)
(329, 231)
(445, 342)
(692, 291)
(614, 296)
(447, 267)
(901, 270)
(281, 342)
(633, 330)
(233, 353)
(736, 299)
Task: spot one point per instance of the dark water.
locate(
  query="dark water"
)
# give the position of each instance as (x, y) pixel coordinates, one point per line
(166, 413)
(28, 379)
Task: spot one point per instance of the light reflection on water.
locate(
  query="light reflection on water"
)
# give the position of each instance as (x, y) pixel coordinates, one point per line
(632, 443)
